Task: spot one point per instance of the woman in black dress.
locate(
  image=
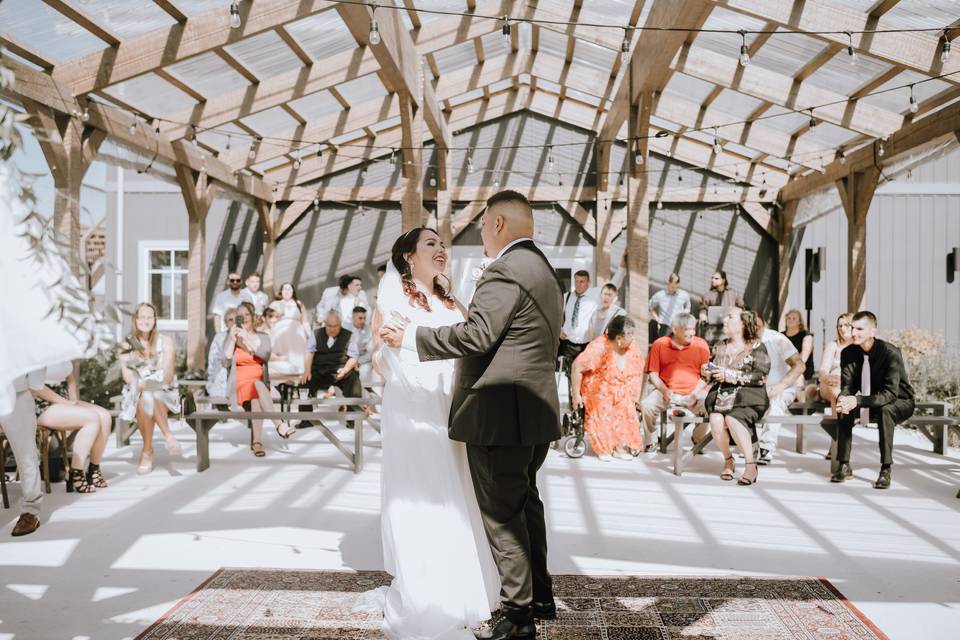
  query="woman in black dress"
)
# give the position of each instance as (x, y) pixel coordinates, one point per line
(739, 368)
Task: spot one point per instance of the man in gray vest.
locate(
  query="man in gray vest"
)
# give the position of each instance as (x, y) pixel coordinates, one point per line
(505, 405)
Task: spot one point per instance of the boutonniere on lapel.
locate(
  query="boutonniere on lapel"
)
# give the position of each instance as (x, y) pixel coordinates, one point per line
(477, 272)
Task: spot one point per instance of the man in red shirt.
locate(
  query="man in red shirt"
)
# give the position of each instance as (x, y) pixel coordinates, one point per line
(674, 368)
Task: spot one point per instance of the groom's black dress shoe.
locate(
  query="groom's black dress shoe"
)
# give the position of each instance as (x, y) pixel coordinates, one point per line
(501, 628)
(544, 610)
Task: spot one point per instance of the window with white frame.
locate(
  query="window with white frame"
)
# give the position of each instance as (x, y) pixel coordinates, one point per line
(163, 282)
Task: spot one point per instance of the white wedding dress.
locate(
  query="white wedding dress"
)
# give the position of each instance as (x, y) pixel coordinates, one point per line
(434, 546)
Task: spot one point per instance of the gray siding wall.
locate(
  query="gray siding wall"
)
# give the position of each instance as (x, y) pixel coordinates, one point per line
(909, 233)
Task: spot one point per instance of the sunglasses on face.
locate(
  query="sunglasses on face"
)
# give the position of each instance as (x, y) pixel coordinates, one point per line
(233, 281)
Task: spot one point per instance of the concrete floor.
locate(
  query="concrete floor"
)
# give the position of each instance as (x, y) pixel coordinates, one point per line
(106, 565)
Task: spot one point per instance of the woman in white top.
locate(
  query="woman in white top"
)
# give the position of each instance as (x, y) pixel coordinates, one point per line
(216, 373)
(59, 407)
(830, 362)
(147, 366)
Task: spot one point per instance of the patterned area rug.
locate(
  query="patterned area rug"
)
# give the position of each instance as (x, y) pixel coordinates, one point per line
(269, 604)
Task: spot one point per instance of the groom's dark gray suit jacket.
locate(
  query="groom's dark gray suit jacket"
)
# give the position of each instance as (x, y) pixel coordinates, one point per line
(505, 392)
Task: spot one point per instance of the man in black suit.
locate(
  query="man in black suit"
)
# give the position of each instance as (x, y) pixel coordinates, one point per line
(874, 388)
(505, 405)
(331, 361)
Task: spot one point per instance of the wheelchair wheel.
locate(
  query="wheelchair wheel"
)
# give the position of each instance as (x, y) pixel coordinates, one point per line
(574, 446)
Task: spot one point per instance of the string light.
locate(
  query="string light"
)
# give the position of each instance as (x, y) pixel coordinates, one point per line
(374, 28)
(470, 167)
(790, 167)
(505, 29)
(393, 157)
(914, 107)
(496, 180)
(363, 174)
(551, 165)
(252, 153)
(851, 52)
(813, 121)
(659, 204)
(945, 48)
(235, 21)
(842, 155)
(638, 157)
(880, 149)
(763, 185)
(316, 203)
(296, 160)
(744, 54)
(228, 142)
(433, 180)
(717, 147)
(625, 47)
(193, 135)
(319, 153)
(133, 125)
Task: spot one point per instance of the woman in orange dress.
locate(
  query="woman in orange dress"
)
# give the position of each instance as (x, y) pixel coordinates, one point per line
(246, 353)
(607, 381)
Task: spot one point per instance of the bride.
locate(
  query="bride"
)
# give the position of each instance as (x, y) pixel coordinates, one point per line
(434, 545)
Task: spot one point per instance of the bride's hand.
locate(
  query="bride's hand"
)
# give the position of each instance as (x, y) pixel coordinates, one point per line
(399, 320)
(392, 335)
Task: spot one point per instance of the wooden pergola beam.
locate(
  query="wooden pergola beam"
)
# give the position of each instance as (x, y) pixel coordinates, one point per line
(918, 52)
(80, 17)
(142, 54)
(171, 10)
(26, 52)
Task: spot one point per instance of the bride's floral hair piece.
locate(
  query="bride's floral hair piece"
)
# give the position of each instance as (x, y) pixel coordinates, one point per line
(406, 245)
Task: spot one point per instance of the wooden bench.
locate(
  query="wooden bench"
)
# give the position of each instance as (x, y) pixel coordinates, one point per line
(3, 469)
(935, 425)
(203, 421)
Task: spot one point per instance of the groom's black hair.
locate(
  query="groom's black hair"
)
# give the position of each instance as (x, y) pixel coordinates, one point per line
(508, 195)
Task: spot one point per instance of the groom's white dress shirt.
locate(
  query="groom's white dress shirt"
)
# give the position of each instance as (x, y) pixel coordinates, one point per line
(410, 334)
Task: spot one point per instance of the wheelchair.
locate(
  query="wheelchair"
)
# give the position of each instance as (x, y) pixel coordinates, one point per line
(572, 441)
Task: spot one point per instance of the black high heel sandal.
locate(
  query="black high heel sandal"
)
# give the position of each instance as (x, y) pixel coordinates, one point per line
(747, 481)
(77, 482)
(95, 478)
(728, 475)
(290, 430)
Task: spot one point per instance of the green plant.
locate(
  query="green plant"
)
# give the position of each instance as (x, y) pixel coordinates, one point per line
(100, 378)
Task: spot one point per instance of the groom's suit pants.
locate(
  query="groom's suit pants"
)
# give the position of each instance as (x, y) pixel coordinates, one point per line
(505, 480)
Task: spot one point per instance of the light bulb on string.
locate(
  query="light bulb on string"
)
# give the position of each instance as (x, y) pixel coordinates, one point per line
(560, 179)
(296, 160)
(625, 47)
(133, 125)
(638, 158)
(156, 128)
(763, 185)
(393, 157)
(813, 121)
(851, 52)
(316, 203)
(945, 48)
(470, 167)
(790, 167)
(496, 180)
(319, 153)
(374, 38)
(228, 143)
(363, 174)
(193, 135)
(252, 153)
(880, 148)
(433, 180)
(717, 147)
(235, 21)
(744, 53)
(842, 156)
(505, 29)
(84, 115)
(551, 165)
(914, 106)
(659, 204)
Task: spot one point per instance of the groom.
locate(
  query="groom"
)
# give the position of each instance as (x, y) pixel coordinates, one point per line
(505, 405)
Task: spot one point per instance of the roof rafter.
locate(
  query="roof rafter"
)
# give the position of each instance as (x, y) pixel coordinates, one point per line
(80, 17)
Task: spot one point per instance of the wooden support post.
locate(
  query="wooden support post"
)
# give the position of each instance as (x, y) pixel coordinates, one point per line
(784, 254)
(198, 194)
(638, 216)
(445, 218)
(69, 148)
(856, 193)
(268, 215)
(603, 207)
(411, 119)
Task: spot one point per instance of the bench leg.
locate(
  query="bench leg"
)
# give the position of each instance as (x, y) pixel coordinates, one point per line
(677, 448)
(940, 432)
(45, 461)
(203, 445)
(358, 446)
(663, 432)
(3, 472)
(801, 440)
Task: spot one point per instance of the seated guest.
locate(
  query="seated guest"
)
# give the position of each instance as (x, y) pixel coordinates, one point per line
(268, 320)
(802, 340)
(607, 310)
(343, 298)
(783, 382)
(667, 303)
(739, 368)
(287, 305)
(246, 353)
(147, 364)
(288, 340)
(229, 298)
(829, 387)
(332, 358)
(578, 308)
(59, 407)
(20, 428)
(874, 387)
(216, 373)
(607, 380)
(674, 371)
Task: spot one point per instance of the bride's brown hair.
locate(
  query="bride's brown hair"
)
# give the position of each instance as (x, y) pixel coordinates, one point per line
(406, 245)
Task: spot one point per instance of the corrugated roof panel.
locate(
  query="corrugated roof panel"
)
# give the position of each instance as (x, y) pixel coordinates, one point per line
(841, 76)
(151, 94)
(735, 103)
(785, 120)
(34, 23)
(548, 85)
(322, 35)
(457, 6)
(553, 42)
(465, 97)
(198, 7)
(208, 74)
(787, 52)
(124, 18)
(689, 87)
(361, 89)
(494, 45)
(316, 105)
(270, 121)
(265, 54)
(217, 138)
(456, 57)
(829, 136)
(583, 97)
(595, 56)
(921, 14)
(383, 125)
(898, 99)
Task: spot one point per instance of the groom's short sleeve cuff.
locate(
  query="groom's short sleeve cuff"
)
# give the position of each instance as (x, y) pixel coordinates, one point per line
(410, 338)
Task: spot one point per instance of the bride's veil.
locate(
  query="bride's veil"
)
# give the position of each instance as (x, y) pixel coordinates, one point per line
(390, 300)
